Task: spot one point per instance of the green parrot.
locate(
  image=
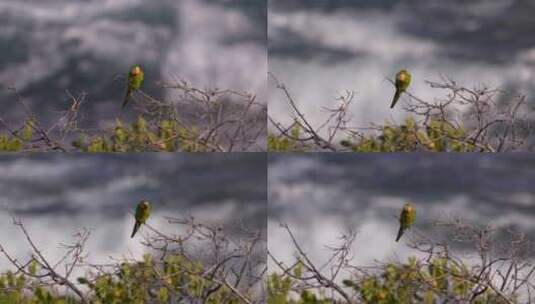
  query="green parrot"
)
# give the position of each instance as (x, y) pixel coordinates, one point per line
(135, 80)
(403, 80)
(406, 219)
(142, 214)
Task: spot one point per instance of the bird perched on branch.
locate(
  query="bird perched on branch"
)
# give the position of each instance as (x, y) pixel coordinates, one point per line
(406, 219)
(403, 80)
(134, 82)
(142, 214)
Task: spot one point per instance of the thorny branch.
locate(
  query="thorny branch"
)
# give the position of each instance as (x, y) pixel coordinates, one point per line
(499, 264)
(211, 119)
(236, 263)
(491, 120)
(49, 275)
(311, 134)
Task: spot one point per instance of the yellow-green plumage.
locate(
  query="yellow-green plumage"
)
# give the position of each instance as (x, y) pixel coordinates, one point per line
(406, 219)
(142, 214)
(403, 80)
(134, 82)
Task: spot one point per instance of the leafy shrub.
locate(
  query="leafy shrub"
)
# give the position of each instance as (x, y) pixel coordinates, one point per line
(439, 281)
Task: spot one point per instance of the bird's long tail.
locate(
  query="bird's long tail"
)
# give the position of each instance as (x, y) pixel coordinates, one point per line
(400, 233)
(136, 228)
(395, 100)
(126, 96)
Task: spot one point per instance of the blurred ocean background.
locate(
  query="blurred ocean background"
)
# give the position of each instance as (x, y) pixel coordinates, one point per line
(320, 195)
(57, 195)
(321, 48)
(51, 46)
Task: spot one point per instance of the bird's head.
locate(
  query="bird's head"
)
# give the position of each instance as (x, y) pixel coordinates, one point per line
(402, 74)
(144, 205)
(408, 207)
(136, 70)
